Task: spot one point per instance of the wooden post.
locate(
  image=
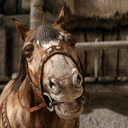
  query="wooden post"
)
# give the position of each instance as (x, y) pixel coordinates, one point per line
(123, 54)
(110, 56)
(36, 13)
(96, 62)
(91, 36)
(102, 45)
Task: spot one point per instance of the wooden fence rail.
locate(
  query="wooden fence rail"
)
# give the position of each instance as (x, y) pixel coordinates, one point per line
(102, 45)
(97, 46)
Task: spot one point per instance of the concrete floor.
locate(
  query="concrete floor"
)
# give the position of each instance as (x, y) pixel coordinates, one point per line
(105, 110)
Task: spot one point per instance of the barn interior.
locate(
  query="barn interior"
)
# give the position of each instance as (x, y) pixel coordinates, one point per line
(90, 22)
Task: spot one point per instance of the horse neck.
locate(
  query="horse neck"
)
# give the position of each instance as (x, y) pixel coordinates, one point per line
(26, 93)
(40, 117)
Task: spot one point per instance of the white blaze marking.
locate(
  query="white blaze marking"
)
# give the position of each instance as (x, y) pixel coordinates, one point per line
(47, 45)
(37, 42)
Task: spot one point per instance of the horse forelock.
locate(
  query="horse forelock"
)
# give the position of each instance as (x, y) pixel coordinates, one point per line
(45, 34)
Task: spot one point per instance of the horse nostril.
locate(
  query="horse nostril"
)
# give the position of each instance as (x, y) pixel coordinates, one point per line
(77, 80)
(53, 86)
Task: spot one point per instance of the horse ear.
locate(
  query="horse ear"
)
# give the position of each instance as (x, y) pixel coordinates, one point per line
(60, 22)
(22, 30)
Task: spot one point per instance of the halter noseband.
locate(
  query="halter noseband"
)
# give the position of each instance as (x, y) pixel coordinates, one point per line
(48, 53)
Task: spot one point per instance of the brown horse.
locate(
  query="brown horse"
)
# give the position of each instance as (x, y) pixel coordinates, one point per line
(49, 78)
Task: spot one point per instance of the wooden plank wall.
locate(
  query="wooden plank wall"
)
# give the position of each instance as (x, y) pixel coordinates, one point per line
(110, 55)
(92, 36)
(112, 62)
(14, 42)
(13, 7)
(2, 52)
(81, 38)
(123, 54)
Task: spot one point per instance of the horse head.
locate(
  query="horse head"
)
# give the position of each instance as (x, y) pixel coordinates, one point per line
(50, 63)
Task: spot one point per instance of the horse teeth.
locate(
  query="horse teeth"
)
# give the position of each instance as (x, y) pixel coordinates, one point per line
(67, 111)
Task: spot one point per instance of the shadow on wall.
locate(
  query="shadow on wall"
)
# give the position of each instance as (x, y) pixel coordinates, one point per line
(112, 101)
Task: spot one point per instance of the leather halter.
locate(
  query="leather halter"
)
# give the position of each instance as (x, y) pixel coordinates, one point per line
(48, 53)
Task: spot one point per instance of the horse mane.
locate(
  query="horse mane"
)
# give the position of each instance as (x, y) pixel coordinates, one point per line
(22, 72)
(45, 33)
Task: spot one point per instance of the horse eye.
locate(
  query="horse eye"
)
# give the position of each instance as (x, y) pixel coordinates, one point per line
(28, 55)
(28, 50)
(51, 84)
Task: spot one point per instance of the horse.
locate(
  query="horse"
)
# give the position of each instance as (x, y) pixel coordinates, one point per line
(48, 91)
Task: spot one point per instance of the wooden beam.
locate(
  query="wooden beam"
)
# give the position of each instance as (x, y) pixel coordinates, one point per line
(36, 13)
(101, 45)
(105, 79)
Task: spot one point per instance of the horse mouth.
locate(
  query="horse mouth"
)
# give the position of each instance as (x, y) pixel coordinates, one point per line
(69, 110)
(65, 110)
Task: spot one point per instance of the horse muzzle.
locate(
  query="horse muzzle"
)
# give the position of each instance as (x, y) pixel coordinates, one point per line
(66, 110)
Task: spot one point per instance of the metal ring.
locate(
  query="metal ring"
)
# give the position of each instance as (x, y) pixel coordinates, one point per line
(49, 106)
